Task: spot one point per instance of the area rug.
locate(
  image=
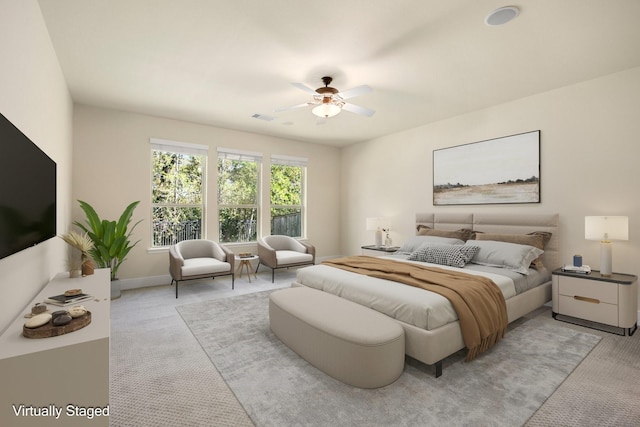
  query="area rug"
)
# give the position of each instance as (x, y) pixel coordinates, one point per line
(502, 387)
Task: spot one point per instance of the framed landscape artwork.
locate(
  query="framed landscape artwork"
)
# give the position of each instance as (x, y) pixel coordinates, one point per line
(500, 170)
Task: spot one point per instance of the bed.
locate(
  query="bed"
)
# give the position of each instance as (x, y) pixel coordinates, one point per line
(432, 331)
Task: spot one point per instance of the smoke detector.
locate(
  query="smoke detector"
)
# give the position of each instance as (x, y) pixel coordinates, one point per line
(501, 16)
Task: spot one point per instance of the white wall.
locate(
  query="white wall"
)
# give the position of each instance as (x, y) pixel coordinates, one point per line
(34, 97)
(590, 146)
(112, 168)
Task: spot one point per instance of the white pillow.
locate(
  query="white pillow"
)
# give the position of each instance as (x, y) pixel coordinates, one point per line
(512, 256)
(415, 242)
(452, 255)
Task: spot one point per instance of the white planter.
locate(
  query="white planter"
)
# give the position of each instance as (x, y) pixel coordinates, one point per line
(115, 289)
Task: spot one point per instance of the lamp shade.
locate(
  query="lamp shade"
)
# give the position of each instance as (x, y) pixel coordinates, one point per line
(606, 228)
(373, 223)
(326, 110)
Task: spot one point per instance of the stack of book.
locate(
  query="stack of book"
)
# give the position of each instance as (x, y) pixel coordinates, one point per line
(64, 300)
(573, 269)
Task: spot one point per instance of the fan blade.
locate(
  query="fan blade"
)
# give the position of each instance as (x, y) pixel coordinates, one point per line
(292, 107)
(305, 88)
(358, 110)
(356, 91)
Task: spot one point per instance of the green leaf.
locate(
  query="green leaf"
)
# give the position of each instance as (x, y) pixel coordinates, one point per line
(110, 238)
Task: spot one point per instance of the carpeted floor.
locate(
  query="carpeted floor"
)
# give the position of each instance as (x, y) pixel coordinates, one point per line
(502, 387)
(161, 376)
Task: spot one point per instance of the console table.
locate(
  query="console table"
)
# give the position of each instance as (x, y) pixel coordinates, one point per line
(68, 372)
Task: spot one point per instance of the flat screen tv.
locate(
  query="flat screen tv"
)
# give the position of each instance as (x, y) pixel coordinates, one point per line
(27, 191)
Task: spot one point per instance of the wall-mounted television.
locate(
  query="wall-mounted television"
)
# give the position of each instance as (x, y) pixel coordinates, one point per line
(27, 191)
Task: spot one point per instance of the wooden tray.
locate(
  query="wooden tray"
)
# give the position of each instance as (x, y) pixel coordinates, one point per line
(50, 330)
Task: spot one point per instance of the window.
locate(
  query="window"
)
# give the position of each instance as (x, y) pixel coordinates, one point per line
(238, 195)
(287, 195)
(177, 191)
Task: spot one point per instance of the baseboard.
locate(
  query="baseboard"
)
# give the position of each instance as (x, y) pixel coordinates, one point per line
(165, 279)
(144, 282)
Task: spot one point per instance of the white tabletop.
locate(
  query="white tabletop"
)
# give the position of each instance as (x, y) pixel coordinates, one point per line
(247, 258)
(98, 285)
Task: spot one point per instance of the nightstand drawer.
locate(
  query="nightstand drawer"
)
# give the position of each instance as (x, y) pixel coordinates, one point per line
(584, 308)
(601, 291)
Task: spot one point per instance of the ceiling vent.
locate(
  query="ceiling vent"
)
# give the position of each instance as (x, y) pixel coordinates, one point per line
(263, 117)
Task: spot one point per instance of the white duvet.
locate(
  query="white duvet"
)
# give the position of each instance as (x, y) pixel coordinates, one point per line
(424, 309)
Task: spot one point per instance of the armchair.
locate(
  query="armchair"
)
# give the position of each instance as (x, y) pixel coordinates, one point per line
(280, 251)
(198, 259)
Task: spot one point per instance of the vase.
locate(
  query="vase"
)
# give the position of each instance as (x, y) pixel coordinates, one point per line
(87, 268)
(74, 273)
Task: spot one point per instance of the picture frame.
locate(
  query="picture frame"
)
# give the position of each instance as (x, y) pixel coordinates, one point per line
(502, 170)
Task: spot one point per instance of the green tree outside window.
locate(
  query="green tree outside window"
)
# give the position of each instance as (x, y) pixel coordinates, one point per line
(176, 197)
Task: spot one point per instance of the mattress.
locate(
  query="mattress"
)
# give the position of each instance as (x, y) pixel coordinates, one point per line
(415, 306)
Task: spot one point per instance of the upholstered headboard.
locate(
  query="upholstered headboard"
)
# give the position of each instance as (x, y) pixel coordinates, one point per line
(501, 223)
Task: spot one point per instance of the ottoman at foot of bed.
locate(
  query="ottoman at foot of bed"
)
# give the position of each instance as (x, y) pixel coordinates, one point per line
(349, 342)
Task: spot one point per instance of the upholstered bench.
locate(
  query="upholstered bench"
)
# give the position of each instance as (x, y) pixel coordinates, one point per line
(347, 341)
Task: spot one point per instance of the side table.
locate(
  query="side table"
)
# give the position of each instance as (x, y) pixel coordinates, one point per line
(373, 250)
(609, 300)
(245, 264)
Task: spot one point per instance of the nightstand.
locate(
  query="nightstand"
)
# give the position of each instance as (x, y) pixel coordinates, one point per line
(373, 250)
(608, 300)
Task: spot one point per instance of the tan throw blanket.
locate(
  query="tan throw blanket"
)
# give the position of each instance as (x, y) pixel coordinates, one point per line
(478, 301)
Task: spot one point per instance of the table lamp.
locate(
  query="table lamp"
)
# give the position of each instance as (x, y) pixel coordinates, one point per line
(605, 229)
(374, 224)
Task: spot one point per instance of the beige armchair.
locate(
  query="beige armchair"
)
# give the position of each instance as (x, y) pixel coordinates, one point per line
(198, 259)
(283, 251)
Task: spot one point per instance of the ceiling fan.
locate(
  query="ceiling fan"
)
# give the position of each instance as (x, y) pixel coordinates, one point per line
(328, 101)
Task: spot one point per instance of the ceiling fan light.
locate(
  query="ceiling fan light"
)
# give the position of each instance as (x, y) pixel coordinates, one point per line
(326, 110)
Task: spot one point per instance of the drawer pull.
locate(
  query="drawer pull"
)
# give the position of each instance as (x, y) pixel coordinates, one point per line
(585, 299)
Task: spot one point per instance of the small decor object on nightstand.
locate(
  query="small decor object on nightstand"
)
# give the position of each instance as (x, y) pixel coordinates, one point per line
(584, 269)
(387, 241)
(577, 260)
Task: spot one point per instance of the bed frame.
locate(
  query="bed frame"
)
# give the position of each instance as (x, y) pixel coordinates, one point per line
(432, 347)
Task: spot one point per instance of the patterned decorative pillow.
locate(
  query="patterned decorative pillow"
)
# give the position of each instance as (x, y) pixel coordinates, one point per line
(451, 255)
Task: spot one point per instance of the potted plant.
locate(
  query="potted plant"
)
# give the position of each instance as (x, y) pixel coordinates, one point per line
(84, 244)
(111, 240)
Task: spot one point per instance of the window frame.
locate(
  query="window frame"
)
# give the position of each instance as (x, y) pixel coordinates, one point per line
(246, 156)
(302, 162)
(168, 146)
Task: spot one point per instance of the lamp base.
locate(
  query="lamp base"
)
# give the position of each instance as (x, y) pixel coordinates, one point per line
(605, 258)
(378, 238)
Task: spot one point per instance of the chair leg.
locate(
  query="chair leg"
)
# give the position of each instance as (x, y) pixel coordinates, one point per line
(273, 272)
(176, 289)
(233, 280)
(257, 267)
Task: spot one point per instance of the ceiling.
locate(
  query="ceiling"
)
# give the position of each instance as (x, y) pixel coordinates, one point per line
(219, 62)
